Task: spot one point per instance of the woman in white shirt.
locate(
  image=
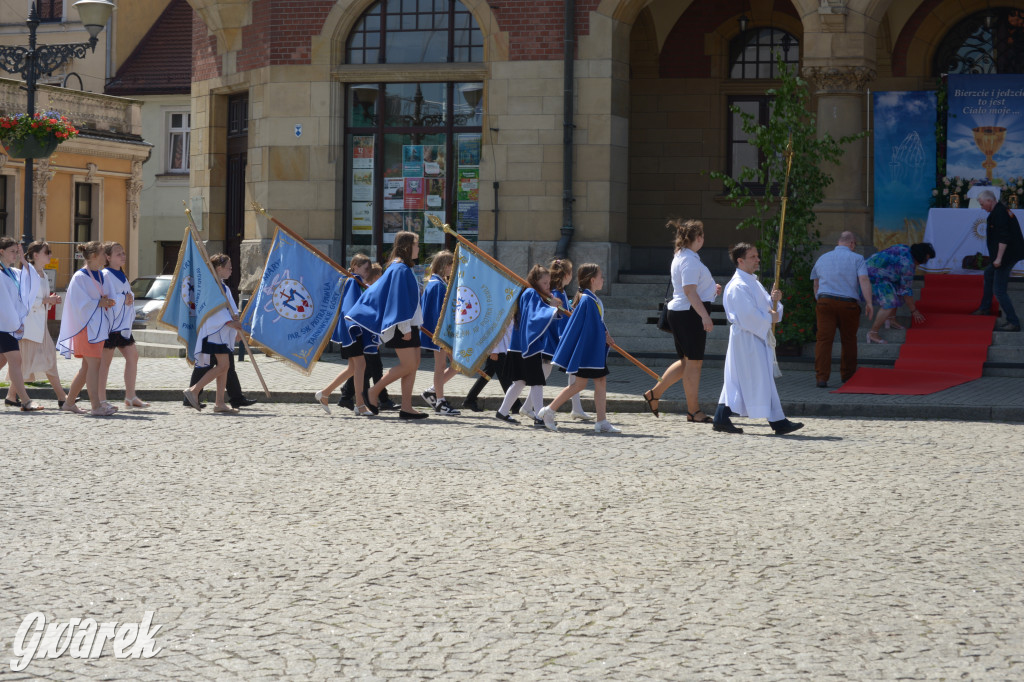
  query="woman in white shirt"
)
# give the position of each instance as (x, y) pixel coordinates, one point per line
(17, 292)
(38, 353)
(693, 290)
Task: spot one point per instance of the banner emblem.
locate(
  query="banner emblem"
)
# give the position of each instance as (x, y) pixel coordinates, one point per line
(468, 306)
(292, 301)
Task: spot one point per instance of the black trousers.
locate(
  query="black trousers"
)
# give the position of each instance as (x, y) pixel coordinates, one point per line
(374, 370)
(234, 387)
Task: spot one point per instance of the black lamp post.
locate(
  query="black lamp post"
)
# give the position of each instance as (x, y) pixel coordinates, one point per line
(30, 62)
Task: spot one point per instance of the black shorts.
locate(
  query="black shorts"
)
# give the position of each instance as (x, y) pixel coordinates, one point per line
(688, 333)
(116, 340)
(353, 350)
(530, 370)
(397, 341)
(8, 344)
(591, 373)
(215, 348)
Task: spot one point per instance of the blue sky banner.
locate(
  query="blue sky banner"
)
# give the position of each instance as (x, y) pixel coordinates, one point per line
(478, 305)
(904, 151)
(293, 311)
(985, 136)
(195, 294)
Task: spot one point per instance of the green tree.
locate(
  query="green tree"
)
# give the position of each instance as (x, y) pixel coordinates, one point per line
(790, 118)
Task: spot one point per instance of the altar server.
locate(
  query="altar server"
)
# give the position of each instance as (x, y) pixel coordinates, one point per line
(749, 388)
(216, 337)
(350, 337)
(583, 350)
(561, 275)
(17, 296)
(432, 302)
(390, 309)
(121, 317)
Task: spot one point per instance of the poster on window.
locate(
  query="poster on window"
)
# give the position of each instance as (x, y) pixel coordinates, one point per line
(362, 151)
(393, 224)
(412, 160)
(362, 184)
(362, 216)
(985, 127)
(433, 161)
(414, 193)
(431, 234)
(435, 193)
(468, 218)
(469, 184)
(469, 149)
(412, 221)
(394, 194)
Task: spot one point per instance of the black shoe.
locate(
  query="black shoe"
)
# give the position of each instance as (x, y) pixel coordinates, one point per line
(506, 418)
(517, 405)
(1008, 327)
(727, 427)
(375, 409)
(186, 403)
(60, 404)
(822, 384)
(12, 403)
(443, 407)
(472, 404)
(981, 311)
(538, 422)
(787, 427)
(387, 404)
(242, 402)
(402, 414)
(347, 402)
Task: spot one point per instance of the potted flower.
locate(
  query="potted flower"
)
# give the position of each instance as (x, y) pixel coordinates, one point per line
(36, 136)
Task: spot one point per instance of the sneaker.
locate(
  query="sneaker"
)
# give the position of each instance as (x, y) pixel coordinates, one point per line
(444, 408)
(605, 426)
(582, 416)
(548, 415)
(472, 404)
(430, 397)
(505, 418)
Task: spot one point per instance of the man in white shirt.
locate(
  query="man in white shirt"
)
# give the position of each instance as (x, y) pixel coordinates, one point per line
(749, 388)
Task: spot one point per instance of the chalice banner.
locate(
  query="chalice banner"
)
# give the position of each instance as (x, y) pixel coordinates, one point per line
(985, 136)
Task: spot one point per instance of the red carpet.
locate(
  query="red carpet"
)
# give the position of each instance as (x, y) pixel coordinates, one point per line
(947, 350)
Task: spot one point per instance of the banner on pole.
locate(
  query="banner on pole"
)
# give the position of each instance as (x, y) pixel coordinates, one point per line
(194, 295)
(479, 304)
(293, 311)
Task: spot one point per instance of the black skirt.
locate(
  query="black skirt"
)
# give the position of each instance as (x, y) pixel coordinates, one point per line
(397, 341)
(215, 348)
(530, 370)
(354, 349)
(591, 373)
(688, 333)
(116, 340)
(8, 344)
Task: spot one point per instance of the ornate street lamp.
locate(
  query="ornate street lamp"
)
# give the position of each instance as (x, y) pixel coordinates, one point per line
(32, 61)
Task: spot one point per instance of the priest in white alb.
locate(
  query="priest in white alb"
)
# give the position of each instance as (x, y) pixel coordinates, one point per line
(749, 388)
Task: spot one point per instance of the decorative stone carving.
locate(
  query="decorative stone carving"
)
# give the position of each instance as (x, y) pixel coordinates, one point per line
(133, 192)
(832, 80)
(90, 175)
(41, 176)
(3, 160)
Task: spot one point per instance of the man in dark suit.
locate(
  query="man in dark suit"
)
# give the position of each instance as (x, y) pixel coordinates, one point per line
(1005, 248)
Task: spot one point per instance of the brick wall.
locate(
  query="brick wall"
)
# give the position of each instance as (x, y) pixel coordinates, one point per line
(205, 62)
(535, 26)
(280, 32)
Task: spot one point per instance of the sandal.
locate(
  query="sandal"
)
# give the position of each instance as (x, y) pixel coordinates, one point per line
(135, 402)
(652, 399)
(692, 417)
(71, 407)
(103, 411)
(876, 339)
(363, 411)
(31, 406)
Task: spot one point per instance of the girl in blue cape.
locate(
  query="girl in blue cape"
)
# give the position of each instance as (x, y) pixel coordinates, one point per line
(583, 350)
(432, 302)
(349, 336)
(561, 275)
(534, 317)
(390, 309)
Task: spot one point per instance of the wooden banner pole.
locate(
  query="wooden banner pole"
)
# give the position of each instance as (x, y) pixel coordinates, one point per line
(511, 275)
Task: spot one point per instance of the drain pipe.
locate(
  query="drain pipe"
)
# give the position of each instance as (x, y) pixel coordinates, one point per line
(562, 250)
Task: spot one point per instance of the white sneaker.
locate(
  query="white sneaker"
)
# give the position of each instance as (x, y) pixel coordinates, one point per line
(430, 397)
(527, 411)
(548, 415)
(581, 416)
(605, 426)
(442, 407)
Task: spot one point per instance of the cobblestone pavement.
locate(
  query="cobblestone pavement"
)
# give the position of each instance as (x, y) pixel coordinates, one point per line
(303, 546)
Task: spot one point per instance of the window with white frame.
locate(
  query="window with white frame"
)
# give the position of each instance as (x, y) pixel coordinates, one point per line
(179, 123)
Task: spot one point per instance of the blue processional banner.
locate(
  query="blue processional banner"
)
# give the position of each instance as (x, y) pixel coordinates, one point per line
(985, 127)
(477, 307)
(293, 312)
(194, 295)
(904, 151)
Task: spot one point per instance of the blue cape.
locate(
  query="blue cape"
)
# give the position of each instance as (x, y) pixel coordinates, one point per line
(583, 343)
(556, 330)
(345, 332)
(390, 300)
(535, 318)
(433, 299)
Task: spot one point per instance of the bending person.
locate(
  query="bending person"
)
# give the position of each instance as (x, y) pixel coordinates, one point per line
(892, 278)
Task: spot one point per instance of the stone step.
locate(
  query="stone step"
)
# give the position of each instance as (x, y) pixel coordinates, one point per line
(155, 335)
(159, 350)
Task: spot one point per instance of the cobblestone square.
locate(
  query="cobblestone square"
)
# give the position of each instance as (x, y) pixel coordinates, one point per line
(283, 543)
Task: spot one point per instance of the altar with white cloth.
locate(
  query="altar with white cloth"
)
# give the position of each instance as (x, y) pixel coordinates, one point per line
(957, 233)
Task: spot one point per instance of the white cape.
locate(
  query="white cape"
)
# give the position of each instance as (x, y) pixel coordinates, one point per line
(120, 316)
(215, 328)
(749, 388)
(82, 311)
(17, 298)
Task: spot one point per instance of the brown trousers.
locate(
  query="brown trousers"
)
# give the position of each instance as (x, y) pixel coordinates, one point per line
(832, 314)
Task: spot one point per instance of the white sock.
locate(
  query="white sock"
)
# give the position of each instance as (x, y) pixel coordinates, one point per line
(510, 396)
(577, 405)
(536, 398)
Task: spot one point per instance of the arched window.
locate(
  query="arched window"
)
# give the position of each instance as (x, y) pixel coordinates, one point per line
(752, 54)
(990, 41)
(412, 142)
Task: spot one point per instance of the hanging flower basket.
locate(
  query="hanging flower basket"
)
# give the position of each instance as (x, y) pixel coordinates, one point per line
(34, 137)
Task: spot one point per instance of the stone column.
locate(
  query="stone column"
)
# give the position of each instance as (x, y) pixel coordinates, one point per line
(842, 101)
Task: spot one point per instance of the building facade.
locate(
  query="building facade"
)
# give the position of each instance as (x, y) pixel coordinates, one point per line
(351, 119)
